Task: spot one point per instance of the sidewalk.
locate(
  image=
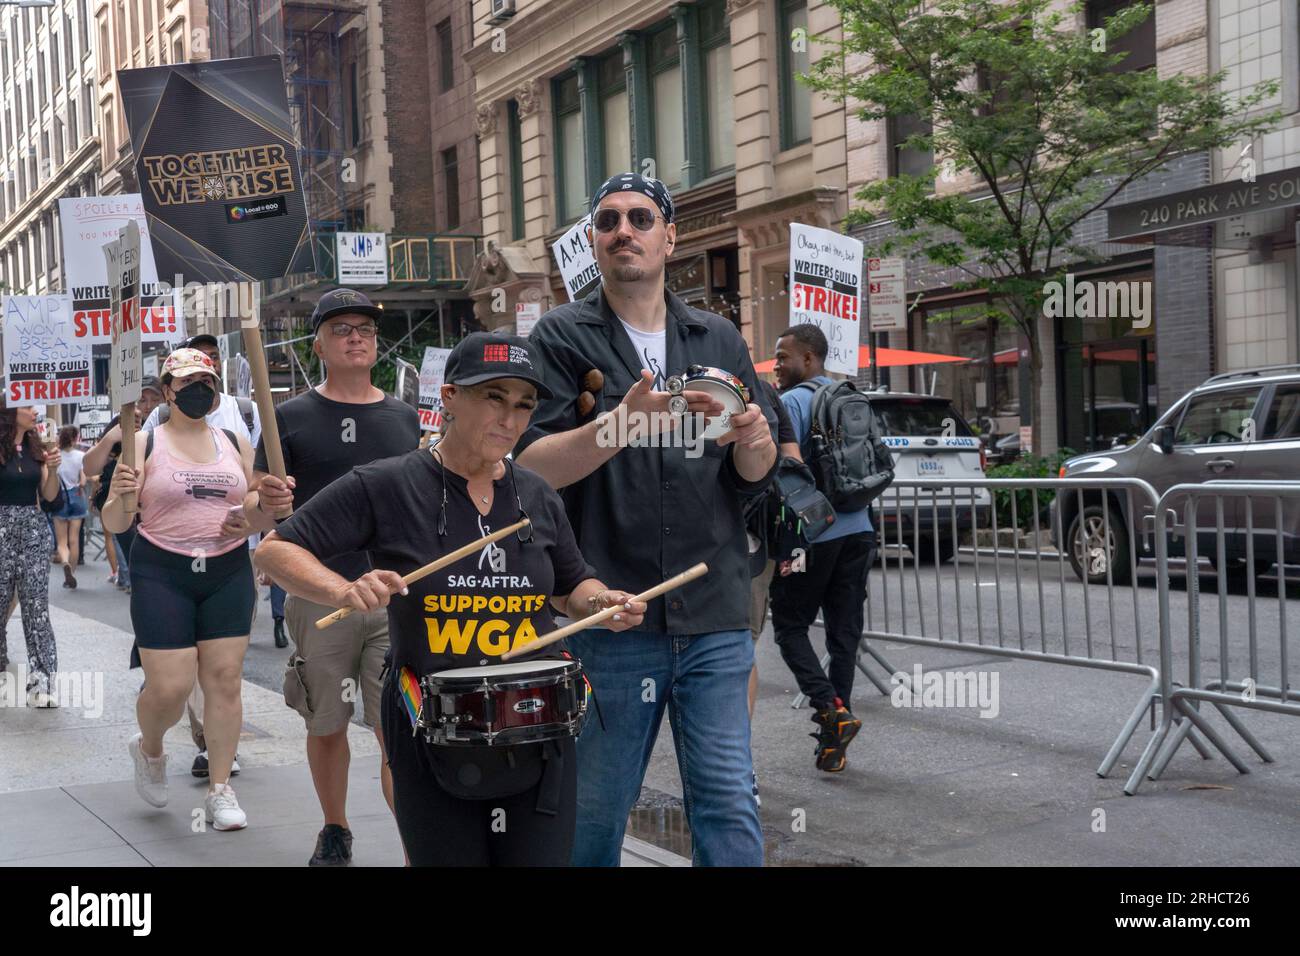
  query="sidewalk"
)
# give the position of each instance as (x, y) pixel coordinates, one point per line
(67, 796)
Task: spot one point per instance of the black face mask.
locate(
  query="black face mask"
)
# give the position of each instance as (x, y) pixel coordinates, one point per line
(195, 399)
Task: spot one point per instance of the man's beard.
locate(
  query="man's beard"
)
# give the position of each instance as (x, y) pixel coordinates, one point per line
(628, 273)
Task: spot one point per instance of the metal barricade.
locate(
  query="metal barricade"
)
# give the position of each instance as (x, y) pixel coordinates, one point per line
(1020, 619)
(1240, 524)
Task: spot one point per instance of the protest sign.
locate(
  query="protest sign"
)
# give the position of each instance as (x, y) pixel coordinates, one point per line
(44, 362)
(430, 409)
(825, 290)
(86, 223)
(577, 261)
(93, 416)
(217, 163)
(123, 260)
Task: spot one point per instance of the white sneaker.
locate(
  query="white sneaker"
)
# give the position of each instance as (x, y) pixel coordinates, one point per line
(39, 698)
(222, 809)
(150, 774)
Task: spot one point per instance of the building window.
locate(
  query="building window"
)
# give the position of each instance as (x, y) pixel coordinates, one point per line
(69, 54)
(796, 99)
(451, 188)
(40, 74)
(669, 116)
(178, 43)
(446, 73)
(88, 110)
(105, 59)
(1139, 43)
(515, 136)
(569, 148)
(56, 74)
(83, 25)
(715, 45)
(119, 32)
(58, 142)
(616, 127)
(74, 139)
(148, 16)
(904, 161)
(135, 24)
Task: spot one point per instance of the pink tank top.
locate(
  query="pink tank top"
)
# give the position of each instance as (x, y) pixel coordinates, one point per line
(183, 504)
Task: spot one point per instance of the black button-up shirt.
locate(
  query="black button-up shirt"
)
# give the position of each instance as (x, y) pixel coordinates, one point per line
(650, 513)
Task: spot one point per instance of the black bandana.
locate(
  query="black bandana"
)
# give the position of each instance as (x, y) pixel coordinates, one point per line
(653, 188)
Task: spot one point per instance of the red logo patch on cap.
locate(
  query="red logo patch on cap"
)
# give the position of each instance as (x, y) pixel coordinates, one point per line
(496, 353)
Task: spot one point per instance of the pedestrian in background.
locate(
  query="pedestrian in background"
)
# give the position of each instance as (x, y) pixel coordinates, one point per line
(67, 520)
(27, 473)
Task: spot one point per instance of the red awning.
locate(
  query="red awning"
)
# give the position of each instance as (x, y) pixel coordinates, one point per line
(887, 357)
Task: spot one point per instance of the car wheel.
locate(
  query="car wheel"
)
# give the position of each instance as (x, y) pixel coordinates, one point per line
(929, 554)
(1090, 552)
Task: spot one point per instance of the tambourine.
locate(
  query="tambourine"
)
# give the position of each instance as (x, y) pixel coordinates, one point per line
(720, 384)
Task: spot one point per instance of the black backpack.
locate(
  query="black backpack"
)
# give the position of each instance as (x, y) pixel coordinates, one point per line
(849, 462)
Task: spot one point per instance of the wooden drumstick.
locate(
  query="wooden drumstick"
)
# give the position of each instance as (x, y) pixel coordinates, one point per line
(690, 574)
(432, 566)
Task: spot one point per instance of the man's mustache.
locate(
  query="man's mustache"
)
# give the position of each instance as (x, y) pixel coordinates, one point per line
(624, 244)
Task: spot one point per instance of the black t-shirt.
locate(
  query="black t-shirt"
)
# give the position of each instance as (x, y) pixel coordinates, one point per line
(323, 440)
(475, 610)
(20, 479)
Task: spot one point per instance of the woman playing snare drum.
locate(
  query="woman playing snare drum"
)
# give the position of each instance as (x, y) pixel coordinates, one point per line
(457, 805)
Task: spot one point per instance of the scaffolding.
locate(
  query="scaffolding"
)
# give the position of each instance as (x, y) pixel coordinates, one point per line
(309, 36)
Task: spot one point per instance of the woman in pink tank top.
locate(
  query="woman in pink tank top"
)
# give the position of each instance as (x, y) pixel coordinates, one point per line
(192, 588)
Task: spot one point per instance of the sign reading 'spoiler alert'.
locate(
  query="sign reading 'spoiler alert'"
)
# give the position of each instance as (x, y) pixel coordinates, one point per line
(218, 168)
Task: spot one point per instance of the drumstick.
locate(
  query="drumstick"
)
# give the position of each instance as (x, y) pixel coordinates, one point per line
(690, 574)
(432, 566)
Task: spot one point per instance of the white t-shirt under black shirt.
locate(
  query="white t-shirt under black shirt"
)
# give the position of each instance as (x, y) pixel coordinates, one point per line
(652, 349)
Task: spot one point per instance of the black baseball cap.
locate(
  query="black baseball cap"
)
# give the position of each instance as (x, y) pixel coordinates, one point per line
(151, 381)
(483, 356)
(343, 302)
(203, 338)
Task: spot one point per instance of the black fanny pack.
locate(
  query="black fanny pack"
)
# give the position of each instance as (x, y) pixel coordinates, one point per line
(799, 496)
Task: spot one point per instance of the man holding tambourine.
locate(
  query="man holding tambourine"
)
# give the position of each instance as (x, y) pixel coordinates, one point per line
(650, 492)
(481, 752)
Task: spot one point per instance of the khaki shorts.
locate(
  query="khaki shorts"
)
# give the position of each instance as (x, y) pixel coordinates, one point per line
(329, 668)
(758, 597)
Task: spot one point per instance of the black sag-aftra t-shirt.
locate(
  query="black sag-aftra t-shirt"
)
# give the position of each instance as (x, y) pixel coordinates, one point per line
(475, 610)
(323, 440)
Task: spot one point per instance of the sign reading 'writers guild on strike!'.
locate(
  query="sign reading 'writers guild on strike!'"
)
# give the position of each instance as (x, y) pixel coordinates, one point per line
(44, 362)
(86, 224)
(122, 257)
(218, 169)
(825, 290)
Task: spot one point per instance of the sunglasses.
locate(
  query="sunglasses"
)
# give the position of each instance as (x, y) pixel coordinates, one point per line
(641, 218)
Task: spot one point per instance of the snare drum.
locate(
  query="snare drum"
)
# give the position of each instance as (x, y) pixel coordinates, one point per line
(504, 704)
(720, 384)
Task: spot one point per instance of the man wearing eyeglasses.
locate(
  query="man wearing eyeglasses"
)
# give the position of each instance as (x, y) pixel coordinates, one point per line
(646, 511)
(326, 432)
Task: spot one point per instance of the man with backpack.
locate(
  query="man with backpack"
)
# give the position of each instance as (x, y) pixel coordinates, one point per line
(840, 442)
(236, 413)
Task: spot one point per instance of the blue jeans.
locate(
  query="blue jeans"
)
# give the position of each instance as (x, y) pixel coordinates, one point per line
(703, 681)
(277, 602)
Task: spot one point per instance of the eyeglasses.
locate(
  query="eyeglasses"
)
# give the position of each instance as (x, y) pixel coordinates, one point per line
(641, 218)
(342, 329)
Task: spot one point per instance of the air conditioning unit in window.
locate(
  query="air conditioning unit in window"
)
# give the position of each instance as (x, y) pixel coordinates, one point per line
(502, 10)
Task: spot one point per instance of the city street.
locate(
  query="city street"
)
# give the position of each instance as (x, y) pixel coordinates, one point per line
(923, 786)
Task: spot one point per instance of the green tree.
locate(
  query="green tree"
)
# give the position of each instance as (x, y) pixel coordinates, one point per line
(1029, 104)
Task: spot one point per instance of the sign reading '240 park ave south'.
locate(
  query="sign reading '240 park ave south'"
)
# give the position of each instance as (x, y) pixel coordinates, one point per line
(1196, 207)
(218, 170)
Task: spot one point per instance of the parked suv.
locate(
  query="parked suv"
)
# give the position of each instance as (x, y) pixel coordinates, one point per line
(929, 439)
(1238, 426)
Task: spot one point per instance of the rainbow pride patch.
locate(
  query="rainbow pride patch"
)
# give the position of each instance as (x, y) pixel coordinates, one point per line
(409, 686)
